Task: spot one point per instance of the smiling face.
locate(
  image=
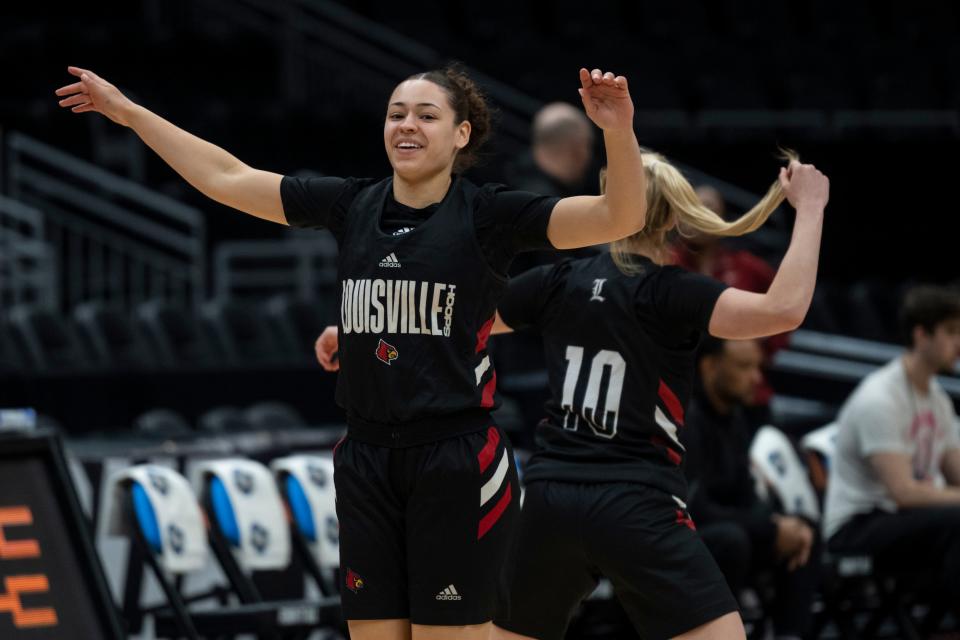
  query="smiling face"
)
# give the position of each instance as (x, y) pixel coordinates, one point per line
(421, 132)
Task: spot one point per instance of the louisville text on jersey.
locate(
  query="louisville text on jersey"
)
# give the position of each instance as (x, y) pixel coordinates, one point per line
(397, 306)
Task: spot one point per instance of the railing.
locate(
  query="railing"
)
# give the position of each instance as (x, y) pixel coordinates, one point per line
(262, 268)
(113, 239)
(323, 44)
(837, 369)
(18, 221)
(27, 267)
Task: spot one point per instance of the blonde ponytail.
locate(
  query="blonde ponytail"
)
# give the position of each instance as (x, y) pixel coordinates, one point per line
(672, 201)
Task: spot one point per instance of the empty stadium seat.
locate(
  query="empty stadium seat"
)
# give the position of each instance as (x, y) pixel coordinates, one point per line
(271, 416)
(174, 334)
(296, 323)
(10, 358)
(240, 333)
(48, 340)
(109, 334)
(163, 423)
(223, 420)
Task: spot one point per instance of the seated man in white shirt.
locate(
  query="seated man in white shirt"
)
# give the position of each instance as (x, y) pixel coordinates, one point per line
(897, 443)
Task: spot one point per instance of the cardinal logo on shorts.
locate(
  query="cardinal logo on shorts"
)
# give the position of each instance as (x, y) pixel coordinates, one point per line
(386, 352)
(354, 581)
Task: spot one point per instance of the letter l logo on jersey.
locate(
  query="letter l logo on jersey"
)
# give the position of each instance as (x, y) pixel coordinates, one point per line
(597, 288)
(386, 352)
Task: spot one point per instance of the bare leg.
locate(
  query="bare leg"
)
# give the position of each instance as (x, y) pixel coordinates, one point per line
(728, 627)
(466, 632)
(503, 634)
(396, 629)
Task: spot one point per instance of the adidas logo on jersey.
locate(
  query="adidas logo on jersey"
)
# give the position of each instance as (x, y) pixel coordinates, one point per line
(390, 261)
(450, 593)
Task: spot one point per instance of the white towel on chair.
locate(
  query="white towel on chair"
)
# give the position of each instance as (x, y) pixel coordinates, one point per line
(822, 440)
(315, 475)
(773, 455)
(183, 536)
(257, 507)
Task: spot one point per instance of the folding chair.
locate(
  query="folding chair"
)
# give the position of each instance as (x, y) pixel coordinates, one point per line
(778, 467)
(775, 459)
(250, 529)
(156, 507)
(857, 598)
(306, 485)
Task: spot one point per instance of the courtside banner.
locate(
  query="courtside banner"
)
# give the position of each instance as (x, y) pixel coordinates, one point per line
(51, 582)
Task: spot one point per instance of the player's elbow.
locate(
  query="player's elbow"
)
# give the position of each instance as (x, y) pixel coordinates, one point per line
(792, 319)
(627, 218)
(786, 316)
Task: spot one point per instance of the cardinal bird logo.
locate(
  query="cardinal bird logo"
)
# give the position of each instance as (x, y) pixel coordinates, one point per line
(386, 352)
(354, 581)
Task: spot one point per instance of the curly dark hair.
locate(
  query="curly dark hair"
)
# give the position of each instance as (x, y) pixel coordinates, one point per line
(468, 103)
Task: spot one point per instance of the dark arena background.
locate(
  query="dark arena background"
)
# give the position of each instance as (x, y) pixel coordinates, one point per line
(141, 323)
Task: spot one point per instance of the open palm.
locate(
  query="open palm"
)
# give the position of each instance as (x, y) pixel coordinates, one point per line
(93, 93)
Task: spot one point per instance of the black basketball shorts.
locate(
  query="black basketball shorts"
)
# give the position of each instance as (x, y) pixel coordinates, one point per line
(640, 538)
(426, 531)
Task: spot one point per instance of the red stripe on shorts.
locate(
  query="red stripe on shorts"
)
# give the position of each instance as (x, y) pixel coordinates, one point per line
(487, 521)
(485, 457)
(685, 519)
(674, 457)
(672, 402)
(488, 390)
(484, 334)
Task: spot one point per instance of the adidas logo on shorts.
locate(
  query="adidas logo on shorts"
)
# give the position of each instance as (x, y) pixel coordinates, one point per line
(450, 593)
(390, 261)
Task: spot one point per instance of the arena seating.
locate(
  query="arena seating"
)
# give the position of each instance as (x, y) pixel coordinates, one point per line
(178, 376)
(152, 531)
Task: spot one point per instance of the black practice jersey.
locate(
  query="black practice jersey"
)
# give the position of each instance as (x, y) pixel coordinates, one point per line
(620, 357)
(506, 222)
(416, 307)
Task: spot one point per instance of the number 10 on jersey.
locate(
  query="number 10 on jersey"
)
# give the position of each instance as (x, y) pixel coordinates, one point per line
(604, 380)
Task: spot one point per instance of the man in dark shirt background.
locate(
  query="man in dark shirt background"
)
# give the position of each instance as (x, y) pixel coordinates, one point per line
(560, 156)
(744, 533)
(716, 257)
(559, 163)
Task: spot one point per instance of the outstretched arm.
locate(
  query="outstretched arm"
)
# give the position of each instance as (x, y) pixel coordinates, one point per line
(214, 172)
(582, 221)
(742, 314)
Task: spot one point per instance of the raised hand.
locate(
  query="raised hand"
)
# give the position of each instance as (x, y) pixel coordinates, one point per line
(326, 349)
(606, 100)
(804, 184)
(93, 93)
